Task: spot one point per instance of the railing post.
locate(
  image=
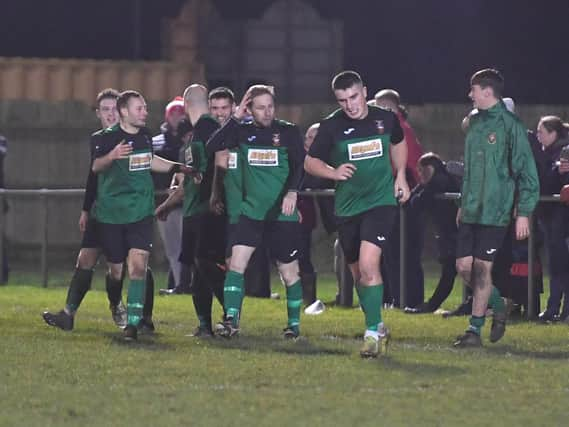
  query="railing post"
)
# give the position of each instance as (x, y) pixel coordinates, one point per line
(402, 260)
(43, 234)
(2, 219)
(531, 309)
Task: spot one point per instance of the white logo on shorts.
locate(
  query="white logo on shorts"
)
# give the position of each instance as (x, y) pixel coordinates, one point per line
(381, 238)
(490, 251)
(293, 252)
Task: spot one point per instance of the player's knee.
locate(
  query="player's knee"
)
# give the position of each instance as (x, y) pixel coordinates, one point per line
(369, 274)
(464, 268)
(289, 274)
(87, 258)
(115, 271)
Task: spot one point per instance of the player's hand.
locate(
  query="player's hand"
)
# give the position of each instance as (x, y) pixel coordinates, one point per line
(344, 172)
(83, 219)
(197, 177)
(458, 213)
(241, 111)
(216, 203)
(121, 151)
(401, 189)
(563, 166)
(289, 203)
(522, 227)
(162, 212)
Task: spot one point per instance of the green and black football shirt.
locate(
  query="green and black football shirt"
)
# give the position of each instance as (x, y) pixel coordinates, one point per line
(125, 192)
(272, 161)
(196, 196)
(365, 143)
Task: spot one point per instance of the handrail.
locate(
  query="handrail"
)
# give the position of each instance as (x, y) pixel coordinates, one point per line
(45, 193)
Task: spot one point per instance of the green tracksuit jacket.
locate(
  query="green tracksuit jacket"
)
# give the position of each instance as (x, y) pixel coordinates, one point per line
(498, 169)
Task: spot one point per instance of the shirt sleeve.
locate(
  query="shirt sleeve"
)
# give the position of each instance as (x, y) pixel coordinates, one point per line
(524, 171)
(296, 155)
(101, 146)
(322, 144)
(397, 135)
(90, 191)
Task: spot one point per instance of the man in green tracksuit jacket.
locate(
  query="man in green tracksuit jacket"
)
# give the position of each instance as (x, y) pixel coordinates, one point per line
(499, 171)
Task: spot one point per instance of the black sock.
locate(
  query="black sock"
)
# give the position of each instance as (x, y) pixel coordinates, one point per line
(80, 284)
(149, 297)
(114, 289)
(202, 299)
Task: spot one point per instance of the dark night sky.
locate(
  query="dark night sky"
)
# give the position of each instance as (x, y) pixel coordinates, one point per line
(425, 48)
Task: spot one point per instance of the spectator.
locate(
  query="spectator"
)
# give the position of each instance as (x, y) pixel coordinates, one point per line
(167, 144)
(552, 133)
(434, 179)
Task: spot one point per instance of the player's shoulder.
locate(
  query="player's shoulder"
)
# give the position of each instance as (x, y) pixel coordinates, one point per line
(335, 115)
(207, 120)
(380, 113)
(108, 133)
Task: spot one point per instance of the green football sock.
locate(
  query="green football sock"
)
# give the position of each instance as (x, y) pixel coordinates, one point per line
(80, 284)
(476, 323)
(135, 301)
(233, 295)
(496, 302)
(294, 303)
(371, 300)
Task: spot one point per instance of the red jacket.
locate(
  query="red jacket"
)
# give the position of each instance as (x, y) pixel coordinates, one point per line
(414, 150)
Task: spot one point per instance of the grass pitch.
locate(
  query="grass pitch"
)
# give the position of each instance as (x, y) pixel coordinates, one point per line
(89, 377)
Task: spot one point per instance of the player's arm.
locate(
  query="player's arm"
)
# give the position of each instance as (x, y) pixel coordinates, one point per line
(173, 200)
(161, 165)
(525, 175)
(398, 151)
(315, 162)
(106, 154)
(216, 204)
(296, 155)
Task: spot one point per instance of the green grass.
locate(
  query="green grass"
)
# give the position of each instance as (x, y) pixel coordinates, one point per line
(90, 377)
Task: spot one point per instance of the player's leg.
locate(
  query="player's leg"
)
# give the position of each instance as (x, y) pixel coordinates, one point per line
(139, 241)
(283, 239)
(375, 232)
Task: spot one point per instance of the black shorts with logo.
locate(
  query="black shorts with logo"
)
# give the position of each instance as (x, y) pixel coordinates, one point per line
(372, 226)
(479, 240)
(203, 236)
(117, 239)
(91, 238)
(281, 237)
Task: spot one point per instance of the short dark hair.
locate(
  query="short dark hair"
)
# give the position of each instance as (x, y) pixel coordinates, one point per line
(124, 97)
(108, 93)
(431, 159)
(222, 92)
(345, 80)
(489, 77)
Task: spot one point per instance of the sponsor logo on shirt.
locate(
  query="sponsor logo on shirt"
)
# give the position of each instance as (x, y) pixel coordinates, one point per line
(380, 127)
(276, 139)
(232, 161)
(139, 162)
(188, 157)
(365, 149)
(263, 157)
(492, 138)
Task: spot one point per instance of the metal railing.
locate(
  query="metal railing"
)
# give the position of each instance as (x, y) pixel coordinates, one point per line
(44, 194)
